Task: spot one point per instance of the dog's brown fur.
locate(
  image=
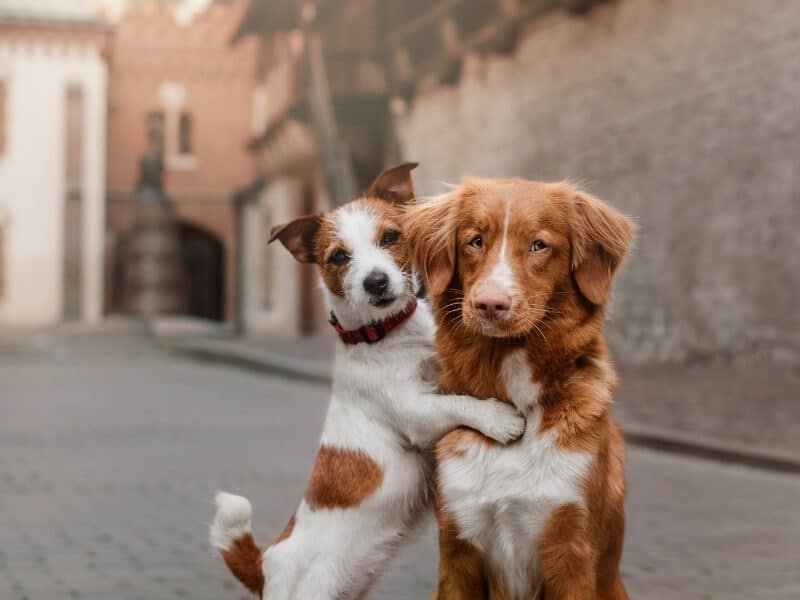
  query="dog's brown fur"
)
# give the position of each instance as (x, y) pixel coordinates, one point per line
(244, 560)
(342, 478)
(557, 318)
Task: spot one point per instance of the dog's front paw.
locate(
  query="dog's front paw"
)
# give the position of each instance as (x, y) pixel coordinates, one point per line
(430, 370)
(503, 422)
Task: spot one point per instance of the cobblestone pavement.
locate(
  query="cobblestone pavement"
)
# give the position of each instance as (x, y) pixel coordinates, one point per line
(110, 452)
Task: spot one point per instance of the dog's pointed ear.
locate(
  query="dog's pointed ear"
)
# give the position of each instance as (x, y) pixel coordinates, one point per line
(601, 236)
(298, 237)
(430, 229)
(394, 184)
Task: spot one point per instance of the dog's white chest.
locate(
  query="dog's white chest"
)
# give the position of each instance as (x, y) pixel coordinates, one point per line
(503, 497)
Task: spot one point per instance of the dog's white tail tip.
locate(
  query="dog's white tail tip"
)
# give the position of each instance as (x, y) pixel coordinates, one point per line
(232, 520)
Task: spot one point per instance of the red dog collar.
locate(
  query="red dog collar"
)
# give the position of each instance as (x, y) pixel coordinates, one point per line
(376, 331)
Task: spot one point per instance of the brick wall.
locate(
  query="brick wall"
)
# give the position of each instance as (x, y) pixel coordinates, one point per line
(685, 114)
(150, 49)
(217, 81)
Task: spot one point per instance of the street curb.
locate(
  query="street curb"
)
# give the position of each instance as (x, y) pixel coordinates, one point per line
(688, 444)
(262, 361)
(637, 434)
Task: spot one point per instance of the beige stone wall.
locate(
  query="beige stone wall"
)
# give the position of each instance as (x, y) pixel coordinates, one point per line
(683, 113)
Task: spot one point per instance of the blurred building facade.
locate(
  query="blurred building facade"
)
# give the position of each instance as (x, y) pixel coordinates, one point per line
(180, 75)
(682, 113)
(53, 80)
(327, 133)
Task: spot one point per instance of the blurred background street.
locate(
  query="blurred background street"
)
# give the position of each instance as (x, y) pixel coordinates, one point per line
(147, 147)
(111, 450)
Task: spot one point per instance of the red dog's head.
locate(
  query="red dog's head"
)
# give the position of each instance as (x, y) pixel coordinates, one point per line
(507, 258)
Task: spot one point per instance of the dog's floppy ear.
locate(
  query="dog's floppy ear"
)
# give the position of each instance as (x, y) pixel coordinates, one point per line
(298, 236)
(430, 228)
(394, 184)
(601, 236)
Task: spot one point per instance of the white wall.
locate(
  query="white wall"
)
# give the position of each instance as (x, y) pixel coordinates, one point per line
(278, 315)
(32, 177)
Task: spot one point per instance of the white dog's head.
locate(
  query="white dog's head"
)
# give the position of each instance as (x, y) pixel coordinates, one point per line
(359, 248)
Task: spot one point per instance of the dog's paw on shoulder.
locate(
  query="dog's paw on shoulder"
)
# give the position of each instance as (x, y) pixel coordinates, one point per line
(505, 424)
(430, 370)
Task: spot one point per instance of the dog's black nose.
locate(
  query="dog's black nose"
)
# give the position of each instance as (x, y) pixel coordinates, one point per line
(376, 282)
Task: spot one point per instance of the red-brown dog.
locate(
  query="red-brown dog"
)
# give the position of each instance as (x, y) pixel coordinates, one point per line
(519, 273)
(371, 480)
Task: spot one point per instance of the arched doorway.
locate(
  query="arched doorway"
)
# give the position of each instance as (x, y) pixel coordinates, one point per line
(203, 258)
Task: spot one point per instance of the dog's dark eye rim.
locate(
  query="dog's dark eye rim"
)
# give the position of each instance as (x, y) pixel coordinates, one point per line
(389, 237)
(476, 241)
(338, 257)
(538, 245)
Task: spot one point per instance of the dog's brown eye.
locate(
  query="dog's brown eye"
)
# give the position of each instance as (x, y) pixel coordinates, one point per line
(339, 257)
(389, 237)
(476, 242)
(538, 246)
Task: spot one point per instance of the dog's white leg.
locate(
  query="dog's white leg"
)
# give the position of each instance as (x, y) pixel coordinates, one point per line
(287, 565)
(319, 584)
(427, 417)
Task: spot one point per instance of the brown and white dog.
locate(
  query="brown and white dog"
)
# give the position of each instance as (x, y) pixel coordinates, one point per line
(372, 477)
(519, 273)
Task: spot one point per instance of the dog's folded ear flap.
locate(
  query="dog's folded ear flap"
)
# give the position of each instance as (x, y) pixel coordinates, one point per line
(394, 184)
(601, 237)
(430, 229)
(298, 237)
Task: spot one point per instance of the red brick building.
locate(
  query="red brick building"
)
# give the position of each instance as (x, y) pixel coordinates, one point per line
(201, 91)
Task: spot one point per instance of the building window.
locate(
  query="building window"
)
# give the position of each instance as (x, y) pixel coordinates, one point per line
(185, 135)
(3, 117)
(2, 259)
(179, 149)
(268, 255)
(73, 151)
(72, 258)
